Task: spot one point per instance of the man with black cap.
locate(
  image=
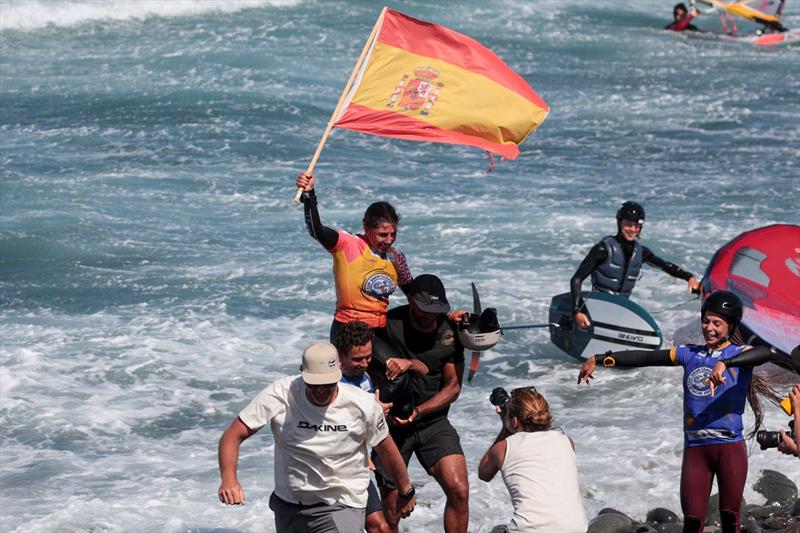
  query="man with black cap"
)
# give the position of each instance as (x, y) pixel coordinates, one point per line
(615, 262)
(322, 434)
(421, 333)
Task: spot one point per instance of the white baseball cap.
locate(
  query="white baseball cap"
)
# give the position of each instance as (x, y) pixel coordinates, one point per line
(321, 364)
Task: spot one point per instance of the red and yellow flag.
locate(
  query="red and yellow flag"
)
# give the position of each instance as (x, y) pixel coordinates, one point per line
(423, 82)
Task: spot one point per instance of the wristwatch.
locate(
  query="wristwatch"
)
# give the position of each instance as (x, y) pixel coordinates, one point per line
(410, 494)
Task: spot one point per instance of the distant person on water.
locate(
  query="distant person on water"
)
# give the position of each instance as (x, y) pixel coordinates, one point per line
(322, 432)
(713, 440)
(531, 455)
(615, 262)
(367, 269)
(354, 344)
(682, 18)
(422, 344)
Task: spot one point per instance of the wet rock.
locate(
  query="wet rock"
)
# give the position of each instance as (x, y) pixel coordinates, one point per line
(712, 510)
(670, 528)
(500, 528)
(645, 528)
(611, 510)
(762, 512)
(794, 528)
(796, 509)
(610, 522)
(776, 488)
(778, 522)
(749, 525)
(662, 516)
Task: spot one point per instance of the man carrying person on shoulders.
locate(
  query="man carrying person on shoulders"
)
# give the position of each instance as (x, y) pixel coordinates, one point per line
(420, 341)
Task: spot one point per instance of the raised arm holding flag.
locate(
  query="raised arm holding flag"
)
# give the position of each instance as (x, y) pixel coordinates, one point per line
(423, 82)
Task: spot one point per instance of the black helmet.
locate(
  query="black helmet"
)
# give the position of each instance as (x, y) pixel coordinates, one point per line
(726, 304)
(631, 211)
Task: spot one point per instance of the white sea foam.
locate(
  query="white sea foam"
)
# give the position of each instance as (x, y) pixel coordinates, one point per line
(32, 14)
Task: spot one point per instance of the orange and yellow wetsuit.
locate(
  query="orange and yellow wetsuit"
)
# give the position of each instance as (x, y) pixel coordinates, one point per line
(364, 279)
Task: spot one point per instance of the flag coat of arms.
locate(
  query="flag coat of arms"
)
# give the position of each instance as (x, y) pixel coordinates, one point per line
(424, 82)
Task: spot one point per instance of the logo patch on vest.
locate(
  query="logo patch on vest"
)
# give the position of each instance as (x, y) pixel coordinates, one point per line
(378, 285)
(448, 338)
(697, 382)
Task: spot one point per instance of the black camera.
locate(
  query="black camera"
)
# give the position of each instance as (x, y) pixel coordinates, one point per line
(499, 398)
(771, 439)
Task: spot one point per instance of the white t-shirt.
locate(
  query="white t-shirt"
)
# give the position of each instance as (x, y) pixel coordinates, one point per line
(320, 452)
(542, 478)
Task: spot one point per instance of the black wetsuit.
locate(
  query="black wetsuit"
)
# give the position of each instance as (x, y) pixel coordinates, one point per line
(598, 255)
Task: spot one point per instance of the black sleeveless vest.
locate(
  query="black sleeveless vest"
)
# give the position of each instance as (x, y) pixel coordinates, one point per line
(611, 276)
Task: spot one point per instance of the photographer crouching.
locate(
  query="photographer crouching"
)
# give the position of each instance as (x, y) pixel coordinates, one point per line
(537, 464)
(790, 442)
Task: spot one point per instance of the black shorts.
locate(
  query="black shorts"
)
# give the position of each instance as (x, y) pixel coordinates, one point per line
(373, 499)
(431, 442)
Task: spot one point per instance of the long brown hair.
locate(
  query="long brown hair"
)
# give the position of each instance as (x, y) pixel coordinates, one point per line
(531, 409)
(758, 388)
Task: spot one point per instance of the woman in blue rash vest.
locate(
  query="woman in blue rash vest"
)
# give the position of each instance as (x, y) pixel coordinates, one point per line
(614, 262)
(713, 440)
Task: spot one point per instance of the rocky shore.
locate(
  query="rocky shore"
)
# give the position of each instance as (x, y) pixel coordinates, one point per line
(779, 514)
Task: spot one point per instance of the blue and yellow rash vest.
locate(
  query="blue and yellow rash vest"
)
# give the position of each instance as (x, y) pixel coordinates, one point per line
(707, 419)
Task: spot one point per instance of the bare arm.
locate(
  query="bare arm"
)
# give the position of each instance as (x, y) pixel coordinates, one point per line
(393, 461)
(492, 460)
(452, 375)
(397, 365)
(230, 491)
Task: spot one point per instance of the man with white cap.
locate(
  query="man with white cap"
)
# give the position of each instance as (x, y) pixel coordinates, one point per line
(322, 432)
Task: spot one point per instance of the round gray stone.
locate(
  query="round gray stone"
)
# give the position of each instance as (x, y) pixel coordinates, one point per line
(610, 523)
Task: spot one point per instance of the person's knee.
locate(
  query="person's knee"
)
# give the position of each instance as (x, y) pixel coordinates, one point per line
(457, 492)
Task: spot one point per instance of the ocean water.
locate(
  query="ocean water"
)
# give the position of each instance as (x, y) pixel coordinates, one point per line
(154, 274)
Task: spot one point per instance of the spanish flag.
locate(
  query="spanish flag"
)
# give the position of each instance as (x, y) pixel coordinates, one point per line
(423, 82)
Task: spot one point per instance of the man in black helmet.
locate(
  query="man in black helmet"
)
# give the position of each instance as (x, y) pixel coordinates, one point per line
(615, 262)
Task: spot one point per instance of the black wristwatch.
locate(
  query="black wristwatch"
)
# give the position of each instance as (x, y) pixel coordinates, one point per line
(410, 494)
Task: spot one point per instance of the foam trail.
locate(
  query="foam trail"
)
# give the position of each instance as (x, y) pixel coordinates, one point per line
(25, 15)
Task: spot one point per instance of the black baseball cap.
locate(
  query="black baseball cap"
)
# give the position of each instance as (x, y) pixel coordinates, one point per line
(429, 294)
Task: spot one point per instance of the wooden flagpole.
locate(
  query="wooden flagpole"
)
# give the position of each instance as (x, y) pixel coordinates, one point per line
(346, 90)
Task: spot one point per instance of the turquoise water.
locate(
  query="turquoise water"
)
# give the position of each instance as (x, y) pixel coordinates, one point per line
(155, 275)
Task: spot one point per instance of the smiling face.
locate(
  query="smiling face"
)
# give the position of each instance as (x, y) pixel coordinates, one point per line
(630, 229)
(715, 328)
(381, 237)
(355, 363)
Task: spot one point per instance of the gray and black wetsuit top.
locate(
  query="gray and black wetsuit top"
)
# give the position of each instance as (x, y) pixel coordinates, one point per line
(614, 264)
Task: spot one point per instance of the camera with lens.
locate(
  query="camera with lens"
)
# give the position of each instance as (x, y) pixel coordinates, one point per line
(499, 398)
(770, 439)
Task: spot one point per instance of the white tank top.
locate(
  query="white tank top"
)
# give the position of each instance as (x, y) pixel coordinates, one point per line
(542, 478)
